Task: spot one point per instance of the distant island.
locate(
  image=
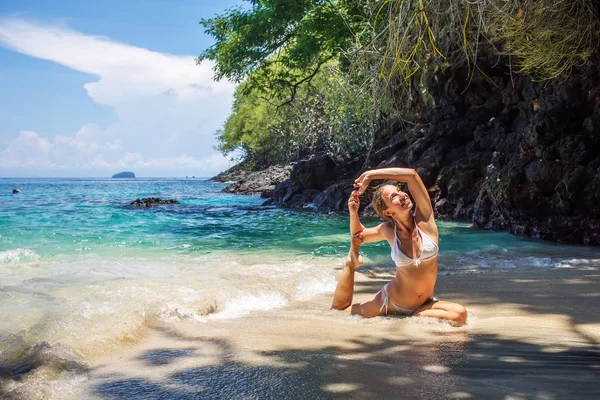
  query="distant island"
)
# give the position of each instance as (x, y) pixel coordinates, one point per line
(125, 174)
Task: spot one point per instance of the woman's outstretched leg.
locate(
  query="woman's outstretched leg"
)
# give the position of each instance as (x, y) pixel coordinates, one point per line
(342, 298)
(452, 312)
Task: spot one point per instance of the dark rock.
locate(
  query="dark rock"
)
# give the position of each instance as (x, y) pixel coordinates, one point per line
(253, 182)
(516, 155)
(125, 174)
(322, 182)
(315, 173)
(231, 174)
(335, 197)
(16, 191)
(148, 202)
(284, 191)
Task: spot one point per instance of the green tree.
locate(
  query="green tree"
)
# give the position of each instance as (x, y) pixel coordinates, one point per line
(316, 72)
(328, 114)
(278, 44)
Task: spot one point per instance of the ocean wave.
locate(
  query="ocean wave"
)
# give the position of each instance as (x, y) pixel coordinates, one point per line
(577, 262)
(230, 302)
(94, 305)
(312, 287)
(18, 255)
(240, 305)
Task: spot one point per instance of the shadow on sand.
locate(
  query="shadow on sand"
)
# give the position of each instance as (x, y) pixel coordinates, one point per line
(457, 366)
(482, 363)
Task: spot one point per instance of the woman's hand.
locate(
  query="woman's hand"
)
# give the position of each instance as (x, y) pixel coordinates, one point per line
(353, 202)
(357, 239)
(362, 182)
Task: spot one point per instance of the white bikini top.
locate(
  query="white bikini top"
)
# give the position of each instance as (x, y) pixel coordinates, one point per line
(430, 250)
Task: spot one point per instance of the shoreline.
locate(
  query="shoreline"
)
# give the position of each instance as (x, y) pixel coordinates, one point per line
(326, 185)
(532, 333)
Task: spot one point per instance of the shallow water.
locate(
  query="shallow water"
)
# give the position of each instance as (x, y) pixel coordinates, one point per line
(82, 273)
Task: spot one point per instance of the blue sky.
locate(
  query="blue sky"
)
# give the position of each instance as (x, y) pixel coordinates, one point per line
(90, 88)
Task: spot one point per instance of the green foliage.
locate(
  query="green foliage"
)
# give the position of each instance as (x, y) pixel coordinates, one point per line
(277, 44)
(543, 38)
(329, 114)
(281, 44)
(548, 38)
(316, 73)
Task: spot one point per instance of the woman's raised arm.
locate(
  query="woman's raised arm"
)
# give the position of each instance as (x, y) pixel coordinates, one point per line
(357, 229)
(353, 205)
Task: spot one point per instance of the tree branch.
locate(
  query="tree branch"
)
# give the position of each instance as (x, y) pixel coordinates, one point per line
(294, 87)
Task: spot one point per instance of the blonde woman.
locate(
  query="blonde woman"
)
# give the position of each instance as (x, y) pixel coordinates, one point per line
(413, 239)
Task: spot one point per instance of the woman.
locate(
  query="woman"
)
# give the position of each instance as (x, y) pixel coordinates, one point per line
(413, 238)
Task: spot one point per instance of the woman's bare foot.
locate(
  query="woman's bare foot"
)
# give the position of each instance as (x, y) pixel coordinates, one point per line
(354, 259)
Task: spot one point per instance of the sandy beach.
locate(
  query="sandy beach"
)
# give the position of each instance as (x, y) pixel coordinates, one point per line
(531, 334)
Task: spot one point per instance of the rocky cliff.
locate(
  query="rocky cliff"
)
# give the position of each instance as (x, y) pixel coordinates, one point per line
(499, 149)
(245, 181)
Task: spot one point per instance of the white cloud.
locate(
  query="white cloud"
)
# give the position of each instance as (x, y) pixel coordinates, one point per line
(19, 152)
(168, 108)
(30, 152)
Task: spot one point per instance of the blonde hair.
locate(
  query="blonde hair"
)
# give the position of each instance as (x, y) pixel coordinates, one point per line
(378, 203)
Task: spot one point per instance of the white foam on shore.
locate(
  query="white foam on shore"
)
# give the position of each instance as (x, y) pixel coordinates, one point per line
(241, 305)
(80, 309)
(94, 304)
(18, 255)
(310, 288)
(577, 262)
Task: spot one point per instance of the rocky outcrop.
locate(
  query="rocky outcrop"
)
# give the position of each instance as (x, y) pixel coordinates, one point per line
(148, 202)
(124, 175)
(531, 165)
(253, 182)
(321, 182)
(502, 151)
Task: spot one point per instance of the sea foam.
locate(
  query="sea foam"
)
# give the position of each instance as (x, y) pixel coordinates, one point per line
(18, 255)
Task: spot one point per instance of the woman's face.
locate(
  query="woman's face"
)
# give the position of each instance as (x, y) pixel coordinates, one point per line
(396, 200)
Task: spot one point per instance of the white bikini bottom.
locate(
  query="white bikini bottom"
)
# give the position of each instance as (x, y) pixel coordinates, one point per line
(398, 310)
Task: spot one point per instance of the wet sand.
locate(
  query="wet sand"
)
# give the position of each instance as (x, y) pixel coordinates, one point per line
(531, 334)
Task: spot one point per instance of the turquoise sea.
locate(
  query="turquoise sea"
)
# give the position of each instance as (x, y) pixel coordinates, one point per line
(81, 272)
